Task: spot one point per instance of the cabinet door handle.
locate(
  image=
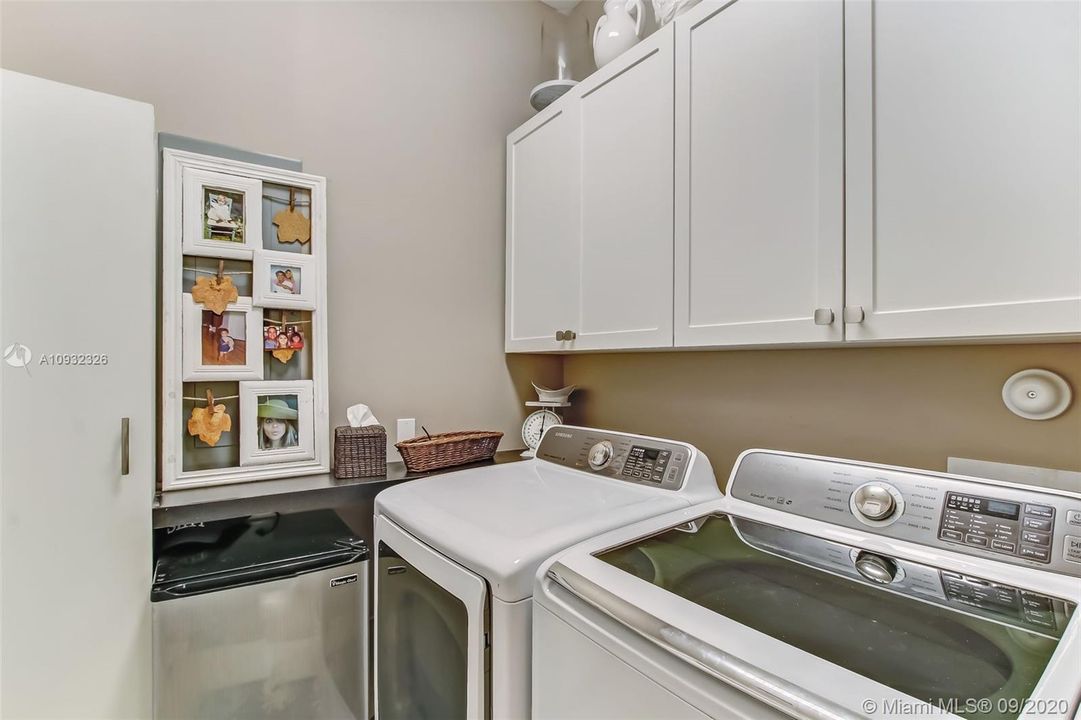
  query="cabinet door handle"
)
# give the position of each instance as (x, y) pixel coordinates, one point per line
(125, 446)
(824, 316)
(569, 334)
(559, 335)
(854, 314)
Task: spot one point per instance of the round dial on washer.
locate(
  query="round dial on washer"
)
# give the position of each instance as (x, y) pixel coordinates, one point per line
(876, 568)
(874, 501)
(600, 455)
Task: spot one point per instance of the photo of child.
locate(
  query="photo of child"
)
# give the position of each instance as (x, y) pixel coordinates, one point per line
(223, 217)
(284, 279)
(277, 426)
(223, 338)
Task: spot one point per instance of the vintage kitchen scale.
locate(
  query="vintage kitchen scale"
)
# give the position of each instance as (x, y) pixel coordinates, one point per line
(534, 426)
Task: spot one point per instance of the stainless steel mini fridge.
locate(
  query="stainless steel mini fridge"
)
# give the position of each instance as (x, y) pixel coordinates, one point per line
(261, 618)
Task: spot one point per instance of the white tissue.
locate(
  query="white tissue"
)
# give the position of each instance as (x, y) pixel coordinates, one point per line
(361, 416)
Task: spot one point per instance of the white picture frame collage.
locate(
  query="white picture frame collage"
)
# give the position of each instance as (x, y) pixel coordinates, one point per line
(213, 208)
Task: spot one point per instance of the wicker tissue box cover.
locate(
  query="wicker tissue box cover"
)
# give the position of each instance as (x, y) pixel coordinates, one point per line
(360, 451)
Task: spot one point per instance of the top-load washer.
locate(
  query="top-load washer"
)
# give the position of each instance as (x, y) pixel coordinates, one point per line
(821, 588)
(457, 555)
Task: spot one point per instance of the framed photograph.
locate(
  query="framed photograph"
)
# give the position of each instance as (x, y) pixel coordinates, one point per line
(223, 214)
(284, 280)
(228, 346)
(276, 422)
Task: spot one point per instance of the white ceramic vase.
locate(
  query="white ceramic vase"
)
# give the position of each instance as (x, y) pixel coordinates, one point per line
(616, 30)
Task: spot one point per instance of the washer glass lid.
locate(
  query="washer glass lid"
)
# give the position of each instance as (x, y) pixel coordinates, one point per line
(935, 635)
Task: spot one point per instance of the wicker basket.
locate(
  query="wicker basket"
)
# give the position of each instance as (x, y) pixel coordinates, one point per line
(360, 451)
(448, 449)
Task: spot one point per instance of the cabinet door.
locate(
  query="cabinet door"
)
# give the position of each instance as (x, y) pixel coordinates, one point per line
(78, 277)
(963, 169)
(759, 173)
(542, 229)
(625, 124)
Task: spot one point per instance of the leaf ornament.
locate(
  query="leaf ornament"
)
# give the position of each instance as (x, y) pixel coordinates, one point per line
(209, 423)
(283, 355)
(292, 226)
(214, 293)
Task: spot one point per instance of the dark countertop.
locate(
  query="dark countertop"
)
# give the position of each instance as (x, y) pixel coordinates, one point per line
(295, 494)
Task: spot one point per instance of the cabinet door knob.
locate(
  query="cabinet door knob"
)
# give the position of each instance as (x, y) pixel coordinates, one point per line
(824, 316)
(569, 334)
(854, 314)
(559, 335)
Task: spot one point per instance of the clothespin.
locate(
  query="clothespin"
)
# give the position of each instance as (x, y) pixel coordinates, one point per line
(221, 269)
(210, 399)
(292, 198)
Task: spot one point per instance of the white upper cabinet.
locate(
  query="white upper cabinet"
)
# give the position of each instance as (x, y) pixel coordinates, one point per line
(794, 172)
(543, 233)
(625, 117)
(589, 212)
(963, 169)
(759, 173)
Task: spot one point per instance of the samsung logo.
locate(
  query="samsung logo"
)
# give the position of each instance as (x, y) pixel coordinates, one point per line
(567, 436)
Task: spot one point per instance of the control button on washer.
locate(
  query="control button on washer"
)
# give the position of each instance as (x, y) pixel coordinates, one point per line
(1040, 510)
(1036, 553)
(1003, 546)
(951, 535)
(1073, 517)
(976, 540)
(1071, 549)
(1037, 524)
(1035, 538)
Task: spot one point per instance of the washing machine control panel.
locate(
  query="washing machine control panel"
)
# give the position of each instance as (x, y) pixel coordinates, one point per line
(1024, 526)
(1006, 527)
(651, 462)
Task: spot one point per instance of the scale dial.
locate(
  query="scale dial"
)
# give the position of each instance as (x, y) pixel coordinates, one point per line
(534, 426)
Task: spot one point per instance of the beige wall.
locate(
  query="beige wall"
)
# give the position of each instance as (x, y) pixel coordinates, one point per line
(404, 107)
(904, 406)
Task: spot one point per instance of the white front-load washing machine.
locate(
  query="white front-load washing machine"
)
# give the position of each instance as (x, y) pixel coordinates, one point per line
(820, 588)
(457, 555)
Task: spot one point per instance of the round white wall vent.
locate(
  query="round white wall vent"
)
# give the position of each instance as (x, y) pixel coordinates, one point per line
(1037, 394)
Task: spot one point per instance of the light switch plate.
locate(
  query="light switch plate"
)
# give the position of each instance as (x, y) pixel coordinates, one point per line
(407, 429)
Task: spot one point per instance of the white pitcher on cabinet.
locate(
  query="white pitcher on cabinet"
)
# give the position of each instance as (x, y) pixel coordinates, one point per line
(616, 30)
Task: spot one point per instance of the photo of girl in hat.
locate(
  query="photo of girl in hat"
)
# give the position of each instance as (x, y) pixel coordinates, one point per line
(277, 426)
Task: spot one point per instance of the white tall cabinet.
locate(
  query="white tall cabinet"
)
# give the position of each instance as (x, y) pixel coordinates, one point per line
(589, 211)
(77, 280)
(963, 169)
(759, 173)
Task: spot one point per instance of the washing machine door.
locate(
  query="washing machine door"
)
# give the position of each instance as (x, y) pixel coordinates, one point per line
(431, 618)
